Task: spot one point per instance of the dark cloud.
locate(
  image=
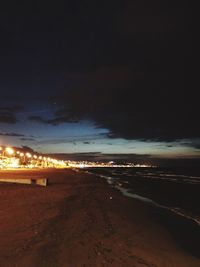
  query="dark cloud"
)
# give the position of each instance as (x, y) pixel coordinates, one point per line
(55, 121)
(86, 138)
(12, 134)
(145, 105)
(23, 137)
(37, 119)
(197, 146)
(8, 114)
(137, 88)
(27, 139)
(170, 146)
(195, 143)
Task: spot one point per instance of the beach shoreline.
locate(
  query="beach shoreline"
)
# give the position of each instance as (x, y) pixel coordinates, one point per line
(78, 220)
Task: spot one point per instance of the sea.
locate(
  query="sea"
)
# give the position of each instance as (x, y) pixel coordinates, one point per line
(174, 189)
(173, 194)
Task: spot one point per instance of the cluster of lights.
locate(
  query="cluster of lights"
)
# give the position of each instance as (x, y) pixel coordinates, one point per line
(111, 164)
(10, 158)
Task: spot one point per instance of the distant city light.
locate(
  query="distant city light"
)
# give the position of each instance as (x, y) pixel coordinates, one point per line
(110, 164)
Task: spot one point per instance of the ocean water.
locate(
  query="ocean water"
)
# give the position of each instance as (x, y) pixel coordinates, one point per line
(175, 190)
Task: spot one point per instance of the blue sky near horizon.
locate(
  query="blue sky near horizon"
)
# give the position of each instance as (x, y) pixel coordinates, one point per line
(81, 137)
(84, 137)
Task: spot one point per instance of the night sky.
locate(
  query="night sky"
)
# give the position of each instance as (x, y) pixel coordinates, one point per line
(99, 77)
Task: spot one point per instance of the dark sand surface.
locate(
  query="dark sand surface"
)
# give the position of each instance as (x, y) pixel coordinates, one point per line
(79, 221)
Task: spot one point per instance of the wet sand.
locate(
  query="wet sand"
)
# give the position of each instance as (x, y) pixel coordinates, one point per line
(79, 221)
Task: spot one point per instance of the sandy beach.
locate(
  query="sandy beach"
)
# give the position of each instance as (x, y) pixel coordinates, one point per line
(79, 221)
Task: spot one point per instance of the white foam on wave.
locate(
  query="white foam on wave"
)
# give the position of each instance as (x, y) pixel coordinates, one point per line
(126, 192)
(173, 178)
(114, 182)
(175, 210)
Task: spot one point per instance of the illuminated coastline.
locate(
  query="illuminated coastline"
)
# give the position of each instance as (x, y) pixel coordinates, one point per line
(11, 158)
(110, 164)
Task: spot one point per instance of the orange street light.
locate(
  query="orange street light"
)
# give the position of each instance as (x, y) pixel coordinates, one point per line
(9, 151)
(28, 155)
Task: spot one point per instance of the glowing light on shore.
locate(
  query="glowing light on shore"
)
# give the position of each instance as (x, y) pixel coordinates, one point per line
(14, 163)
(9, 150)
(9, 158)
(28, 155)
